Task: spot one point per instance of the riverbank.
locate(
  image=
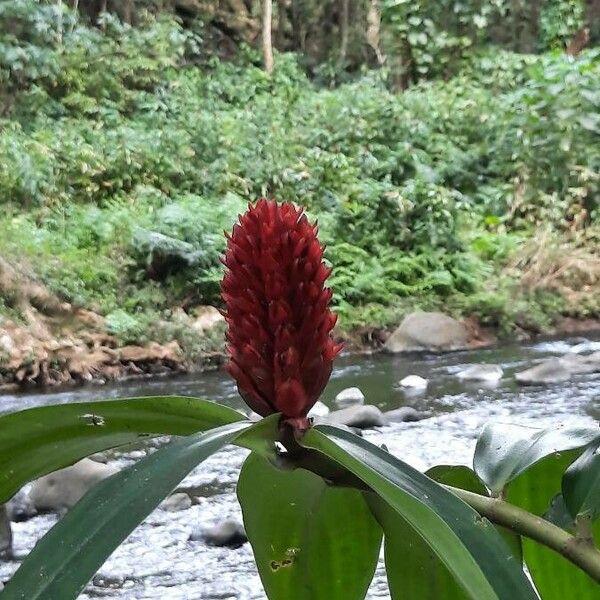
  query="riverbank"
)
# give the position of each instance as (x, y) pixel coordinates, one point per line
(52, 343)
(118, 182)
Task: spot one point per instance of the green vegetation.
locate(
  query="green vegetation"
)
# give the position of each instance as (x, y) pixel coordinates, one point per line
(126, 151)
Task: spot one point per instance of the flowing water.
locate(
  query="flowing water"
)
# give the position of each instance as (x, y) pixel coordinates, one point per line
(158, 561)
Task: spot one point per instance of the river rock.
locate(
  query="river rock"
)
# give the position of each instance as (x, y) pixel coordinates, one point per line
(555, 370)
(20, 507)
(585, 346)
(404, 414)
(62, 489)
(578, 363)
(481, 372)
(318, 410)
(229, 533)
(552, 370)
(108, 580)
(360, 416)
(176, 502)
(415, 382)
(5, 533)
(206, 318)
(433, 331)
(349, 397)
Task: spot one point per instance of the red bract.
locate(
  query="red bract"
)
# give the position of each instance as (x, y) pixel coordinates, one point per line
(280, 345)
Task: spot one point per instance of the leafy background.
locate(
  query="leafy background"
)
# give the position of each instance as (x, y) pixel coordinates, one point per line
(462, 173)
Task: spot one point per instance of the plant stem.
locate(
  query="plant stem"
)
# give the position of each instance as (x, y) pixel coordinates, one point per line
(580, 552)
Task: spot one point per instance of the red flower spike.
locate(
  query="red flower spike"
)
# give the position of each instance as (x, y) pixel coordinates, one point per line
(277, 309)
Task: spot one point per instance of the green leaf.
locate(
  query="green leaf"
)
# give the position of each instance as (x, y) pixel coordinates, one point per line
(414, 570)
(40, 440)
(460, 476)
(591, 122)
(469, 546)
(65, 559)
(535, 490)
(504, 451)
(311, 541)
(581, 484)
(559, 515)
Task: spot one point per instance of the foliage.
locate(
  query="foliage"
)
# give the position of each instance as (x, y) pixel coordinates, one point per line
(303, 523)
(559, 22)
(125, 151)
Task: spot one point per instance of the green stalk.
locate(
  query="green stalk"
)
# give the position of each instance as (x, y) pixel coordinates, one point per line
(576, 550)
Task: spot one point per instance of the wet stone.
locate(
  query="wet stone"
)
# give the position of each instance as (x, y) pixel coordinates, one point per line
(228, 533)
(404, 414)
(349, 397)
(176, 502)
(362, 417)
(106, 580)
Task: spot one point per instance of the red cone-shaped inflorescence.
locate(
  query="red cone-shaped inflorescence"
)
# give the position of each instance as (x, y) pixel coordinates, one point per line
(280, 345)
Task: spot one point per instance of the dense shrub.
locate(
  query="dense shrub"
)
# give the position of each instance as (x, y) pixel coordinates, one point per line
(123, 158)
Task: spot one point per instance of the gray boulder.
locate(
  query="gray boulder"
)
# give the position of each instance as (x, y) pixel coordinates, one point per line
(362, 417)
(552, 370)
(5, 533)
(481, 372)
(229, 533)
(62, 489)
(433, 331)
(318, 410)
(414, 382)
(350, 397)
(404, 414)
(555, 370)
(176, 502)
(578, 364)
(20, 507)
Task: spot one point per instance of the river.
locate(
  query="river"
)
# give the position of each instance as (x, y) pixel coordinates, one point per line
(158, 561)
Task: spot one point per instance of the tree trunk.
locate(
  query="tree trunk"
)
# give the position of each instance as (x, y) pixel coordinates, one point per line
(267, 21)
(344, 32)
(374, 29)
(128, 11)
(59, 4)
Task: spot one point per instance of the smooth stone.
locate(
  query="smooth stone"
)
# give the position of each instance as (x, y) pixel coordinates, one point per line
(579, 364)
(107, 580)
(318, 410)
(176, 502)
(350, 396)
(228, 533)
(404, 414)
(362, 417)
(5, 533)
(481, 372)
(552, 370)
(428, 331)
(585, 346)
(556, 370)
(20, 507)
(416, 382)
(62, 489)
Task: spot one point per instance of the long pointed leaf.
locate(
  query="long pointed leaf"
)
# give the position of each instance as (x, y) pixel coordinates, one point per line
(504, 451)
(311, 541)
(414, 571)
(40, 440)
(581, 484)
(65, 559)
(469, 546)
(534, 490)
